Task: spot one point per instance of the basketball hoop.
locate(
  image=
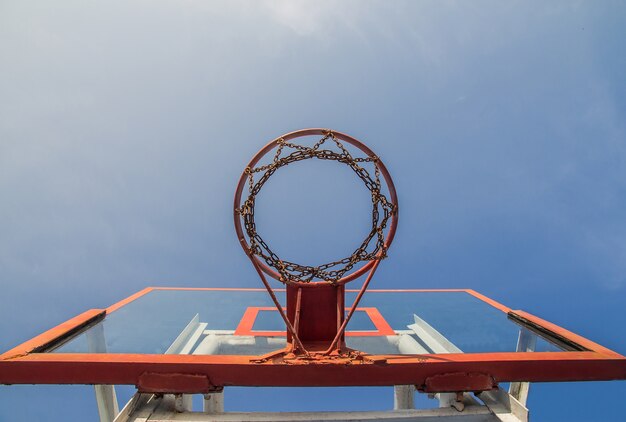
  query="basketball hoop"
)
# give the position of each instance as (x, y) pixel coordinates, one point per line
(315, 318)
(384, 210)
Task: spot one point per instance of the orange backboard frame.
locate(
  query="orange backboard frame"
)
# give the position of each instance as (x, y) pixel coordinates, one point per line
(29, 364)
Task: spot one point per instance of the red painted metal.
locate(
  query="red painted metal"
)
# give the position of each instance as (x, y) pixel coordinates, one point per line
(151, 382)
(430, 372)
(53, 334)
(488, 300)
(379, 370)
(458, 381)
(245, 327)
(382, 327)
(295, 344)
(131, 298)
(337, 342)
(321, 311)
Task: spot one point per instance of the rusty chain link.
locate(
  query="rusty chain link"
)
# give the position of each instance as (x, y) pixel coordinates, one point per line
(382, 211)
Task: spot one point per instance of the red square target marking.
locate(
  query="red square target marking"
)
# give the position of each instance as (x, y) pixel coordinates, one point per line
(246, 325)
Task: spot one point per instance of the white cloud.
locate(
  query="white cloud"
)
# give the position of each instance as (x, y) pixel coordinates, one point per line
(304, 18)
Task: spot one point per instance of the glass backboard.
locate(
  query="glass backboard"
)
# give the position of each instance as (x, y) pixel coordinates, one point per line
(244, 322)
(196, 340)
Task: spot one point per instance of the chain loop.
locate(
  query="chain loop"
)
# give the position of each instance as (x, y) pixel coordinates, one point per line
(382, 211)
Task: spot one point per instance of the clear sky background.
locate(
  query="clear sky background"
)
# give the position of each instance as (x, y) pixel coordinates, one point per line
(124, 127)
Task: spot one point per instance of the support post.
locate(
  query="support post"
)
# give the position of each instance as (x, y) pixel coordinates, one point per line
(183, 402)
(526, 342)
(214, 402)
(403, 397)
(105, 394)
(107, 402)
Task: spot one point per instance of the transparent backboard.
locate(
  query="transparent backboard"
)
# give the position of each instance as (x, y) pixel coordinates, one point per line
(175, 340)
(244, 322)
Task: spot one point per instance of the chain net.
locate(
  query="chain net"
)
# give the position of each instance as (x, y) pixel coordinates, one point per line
(331, 272)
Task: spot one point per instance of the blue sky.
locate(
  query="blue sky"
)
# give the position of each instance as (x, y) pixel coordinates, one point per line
(125, 125)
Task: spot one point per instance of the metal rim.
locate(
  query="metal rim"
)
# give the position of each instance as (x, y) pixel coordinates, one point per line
(297, 134)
